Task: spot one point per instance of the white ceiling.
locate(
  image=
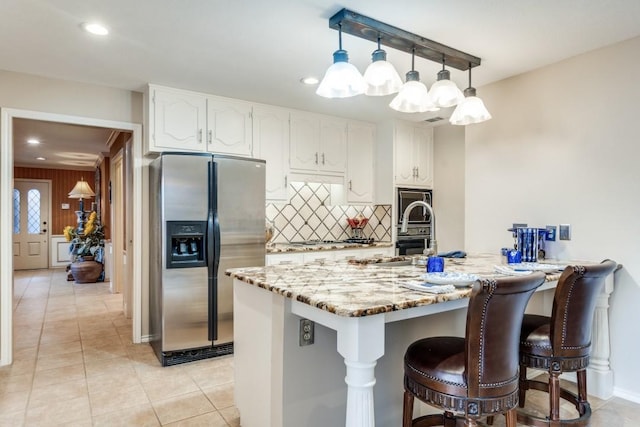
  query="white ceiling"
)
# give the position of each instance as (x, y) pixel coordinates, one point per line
(258, 50)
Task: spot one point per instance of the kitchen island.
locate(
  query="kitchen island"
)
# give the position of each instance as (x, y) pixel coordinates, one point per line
(366, 312)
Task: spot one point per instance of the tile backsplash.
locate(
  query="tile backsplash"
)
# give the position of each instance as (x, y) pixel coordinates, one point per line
(309, 216)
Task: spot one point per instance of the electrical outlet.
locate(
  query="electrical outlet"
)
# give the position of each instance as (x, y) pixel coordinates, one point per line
(306, 332)
(550, 235)
(565, 232)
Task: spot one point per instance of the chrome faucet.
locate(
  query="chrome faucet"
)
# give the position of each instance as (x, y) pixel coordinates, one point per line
(430, 245)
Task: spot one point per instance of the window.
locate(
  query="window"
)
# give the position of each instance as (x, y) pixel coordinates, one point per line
(16, 211)
(33, 212)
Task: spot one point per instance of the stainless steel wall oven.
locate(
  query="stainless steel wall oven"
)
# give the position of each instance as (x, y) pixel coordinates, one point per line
(416, 238)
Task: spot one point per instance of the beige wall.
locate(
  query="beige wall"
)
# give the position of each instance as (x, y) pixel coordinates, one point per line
(27, 92)
(563, 148)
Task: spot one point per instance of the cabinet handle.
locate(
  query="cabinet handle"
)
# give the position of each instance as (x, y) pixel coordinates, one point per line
(210, 137)
(316, 158)
(417, 172)
(285, 181)
(323, 158)
(200, 136)
(350, 186)
(413, 172)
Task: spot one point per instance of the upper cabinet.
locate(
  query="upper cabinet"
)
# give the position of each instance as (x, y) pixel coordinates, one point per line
(318, 143)
(295, 144)
(229, 127)
(413, 155)
(360, 151)
(181, 120)
(177, 120)
(271, 143)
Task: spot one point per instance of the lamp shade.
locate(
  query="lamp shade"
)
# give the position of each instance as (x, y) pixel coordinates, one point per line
(444, 92)
(342, 79)
(470, 110)
(381, 76)
(413, 96)
(81, 190)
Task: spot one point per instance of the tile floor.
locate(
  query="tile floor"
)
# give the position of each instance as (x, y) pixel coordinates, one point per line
(75, 365)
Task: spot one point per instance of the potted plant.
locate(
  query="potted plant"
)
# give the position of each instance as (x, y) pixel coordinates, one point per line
(86, 250)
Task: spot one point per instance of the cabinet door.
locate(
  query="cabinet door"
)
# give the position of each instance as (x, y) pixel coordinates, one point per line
(177, 120)
(271, 143)
(404, 170)
(305, 140)
(423, 154)
(360, 140)
(229, 127)
(333, 145)
(283, 258)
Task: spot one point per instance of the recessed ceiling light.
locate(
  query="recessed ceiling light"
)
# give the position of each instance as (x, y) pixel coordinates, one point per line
(33, 141)
(40, 158)
(309, 80)
(95, 28)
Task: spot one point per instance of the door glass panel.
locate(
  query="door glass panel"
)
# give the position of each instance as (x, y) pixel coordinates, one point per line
(16, 211)
(33, 212)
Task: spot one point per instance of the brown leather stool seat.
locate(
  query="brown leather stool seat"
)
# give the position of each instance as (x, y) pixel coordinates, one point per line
(562, 343)
(476, 375)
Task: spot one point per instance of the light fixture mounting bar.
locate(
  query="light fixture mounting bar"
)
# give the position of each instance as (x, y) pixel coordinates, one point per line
(370, 29)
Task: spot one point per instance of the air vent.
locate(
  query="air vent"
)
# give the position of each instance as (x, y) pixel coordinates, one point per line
(434, 119)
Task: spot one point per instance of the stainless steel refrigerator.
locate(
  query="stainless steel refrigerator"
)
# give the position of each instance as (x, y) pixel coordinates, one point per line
(207, 214)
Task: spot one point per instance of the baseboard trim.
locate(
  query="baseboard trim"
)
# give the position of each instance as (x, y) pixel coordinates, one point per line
(626, 394)
(145, 338)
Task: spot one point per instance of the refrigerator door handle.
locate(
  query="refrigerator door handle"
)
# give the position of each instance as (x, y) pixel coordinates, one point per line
(213, 251)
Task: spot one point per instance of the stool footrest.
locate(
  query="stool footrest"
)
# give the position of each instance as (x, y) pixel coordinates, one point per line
(583, 408)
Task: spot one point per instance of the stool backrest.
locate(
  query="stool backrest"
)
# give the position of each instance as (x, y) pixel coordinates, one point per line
(573, 306)
(494, 319)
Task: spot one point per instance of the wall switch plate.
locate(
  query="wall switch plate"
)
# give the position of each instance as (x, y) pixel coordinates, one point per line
(306, 332)
(65, 206)
(550, 235)
(565, 232)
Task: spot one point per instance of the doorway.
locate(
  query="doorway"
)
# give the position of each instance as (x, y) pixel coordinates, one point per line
(31, 219)
(6, 218)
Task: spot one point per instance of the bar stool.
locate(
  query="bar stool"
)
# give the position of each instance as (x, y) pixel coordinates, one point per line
(476, 375)
(562, 343)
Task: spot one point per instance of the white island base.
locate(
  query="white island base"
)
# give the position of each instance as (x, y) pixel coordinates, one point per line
(353, 373)
(278, 383)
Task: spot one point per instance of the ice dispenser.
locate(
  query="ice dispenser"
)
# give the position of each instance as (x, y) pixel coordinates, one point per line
(186, 244)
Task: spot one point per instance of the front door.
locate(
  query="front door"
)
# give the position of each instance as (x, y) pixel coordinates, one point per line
(31, 224)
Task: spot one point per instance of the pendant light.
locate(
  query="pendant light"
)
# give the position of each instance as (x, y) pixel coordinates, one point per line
(444, 92)
(471, 109)
(381, 77)
(413, 96)
(342, 79)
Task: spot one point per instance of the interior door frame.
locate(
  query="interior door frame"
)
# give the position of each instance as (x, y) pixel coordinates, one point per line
(6, 207)
(49, 213)
(117, 223)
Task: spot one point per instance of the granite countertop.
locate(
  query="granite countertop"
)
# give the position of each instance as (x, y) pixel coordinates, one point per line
(278, 248)
(361, 289)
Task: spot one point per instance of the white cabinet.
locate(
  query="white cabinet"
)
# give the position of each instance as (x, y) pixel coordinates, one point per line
(360, 148)
(180, 120)
(229, 127)
(271, 143)
(321, 256)
(177, 120)
(318, 256)
(283, 258)
(413, 155)
(318, 143)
